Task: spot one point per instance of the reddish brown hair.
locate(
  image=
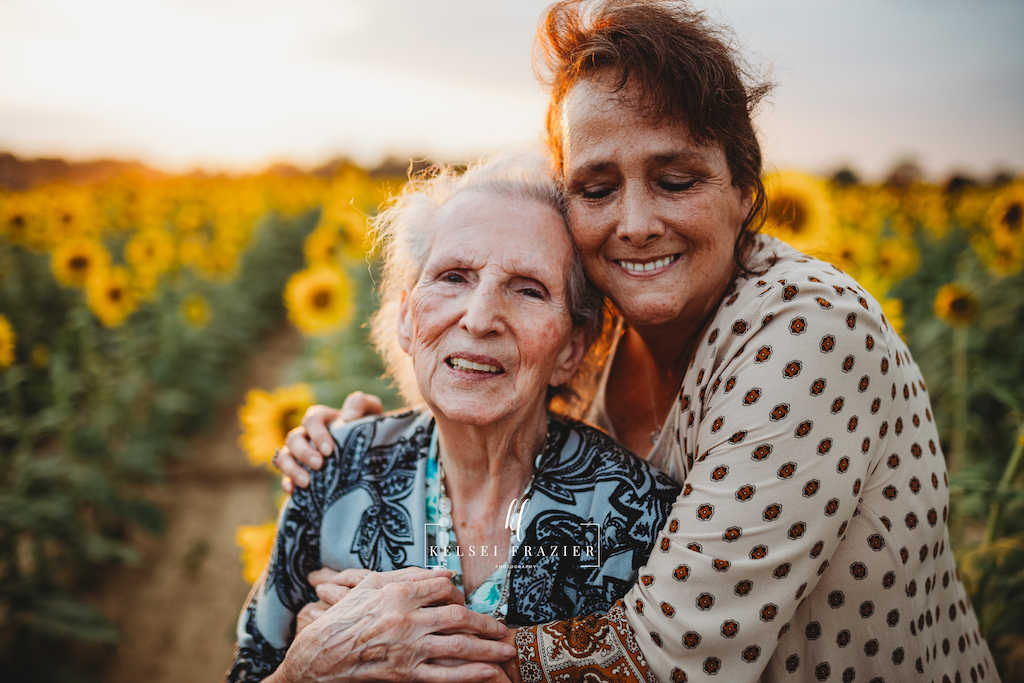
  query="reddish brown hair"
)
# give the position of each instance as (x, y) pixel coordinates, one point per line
(683, 66)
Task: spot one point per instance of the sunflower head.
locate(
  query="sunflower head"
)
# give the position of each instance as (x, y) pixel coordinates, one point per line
(257, 544)
(71, 213)
(195, 311)
(800, 211)
(1011, 219)
(7, 339)
(20, 220)
(323, 246)
(318, 300)
(956, 305)
(896, 258)
(109, 295)
(75, 261)
(268, 417)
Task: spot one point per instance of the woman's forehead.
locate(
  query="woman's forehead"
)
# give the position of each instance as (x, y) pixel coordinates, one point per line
(521, 234)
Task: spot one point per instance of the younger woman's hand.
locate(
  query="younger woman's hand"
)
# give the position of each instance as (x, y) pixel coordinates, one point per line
(310, 442)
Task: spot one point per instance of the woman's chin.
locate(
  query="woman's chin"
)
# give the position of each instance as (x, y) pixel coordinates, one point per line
(474, 412)
(650, 311)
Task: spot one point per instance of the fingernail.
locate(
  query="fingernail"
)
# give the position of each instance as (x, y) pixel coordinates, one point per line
(348, 414)
(326, 448)
(316, 613)
(286, 484)
(304, 479)
(315, 461)
(508, 650)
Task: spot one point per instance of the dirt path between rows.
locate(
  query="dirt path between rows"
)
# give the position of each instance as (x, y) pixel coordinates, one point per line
(177, 611)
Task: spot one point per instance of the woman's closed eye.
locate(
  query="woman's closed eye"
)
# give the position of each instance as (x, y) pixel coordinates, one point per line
(595, 191)
(676, 184)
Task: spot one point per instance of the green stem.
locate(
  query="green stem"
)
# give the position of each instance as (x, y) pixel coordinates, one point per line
(959, 399)
(1013, 468)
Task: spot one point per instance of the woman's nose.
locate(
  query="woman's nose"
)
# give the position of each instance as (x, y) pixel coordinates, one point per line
(637, 222)
(484, 312)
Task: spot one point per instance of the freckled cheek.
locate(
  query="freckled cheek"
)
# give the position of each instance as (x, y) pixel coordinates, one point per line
(545, 341)
(587, 231)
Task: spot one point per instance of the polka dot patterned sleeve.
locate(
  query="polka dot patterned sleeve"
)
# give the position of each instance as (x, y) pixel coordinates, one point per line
(810, 535)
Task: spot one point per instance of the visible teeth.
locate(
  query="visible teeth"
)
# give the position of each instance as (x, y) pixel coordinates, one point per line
(650, 265)
(464, 364)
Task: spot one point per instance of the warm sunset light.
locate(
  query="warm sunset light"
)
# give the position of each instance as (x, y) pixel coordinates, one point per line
(230, 84)
(311, 369)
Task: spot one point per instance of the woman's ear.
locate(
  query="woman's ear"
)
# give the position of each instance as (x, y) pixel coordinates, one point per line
(569, 358)
(404, 323)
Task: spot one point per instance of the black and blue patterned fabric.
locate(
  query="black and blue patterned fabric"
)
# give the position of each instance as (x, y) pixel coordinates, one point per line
(366, 508)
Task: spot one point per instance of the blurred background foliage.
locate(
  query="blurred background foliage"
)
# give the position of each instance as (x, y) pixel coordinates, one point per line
(127, 306)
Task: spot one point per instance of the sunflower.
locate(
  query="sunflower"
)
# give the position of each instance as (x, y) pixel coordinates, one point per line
(318, 300)
(7, 339)
(71, 213)
(74, 261)
(109, 295)
(194, 311)
(348, 225)
(800, 211)
(861, 208)
(268, 417)
(956, 305)
(150, 252)
(1005, 217)
(257, 544)
(852, 250)
(322, 246)
(20, 221)
(896, 258)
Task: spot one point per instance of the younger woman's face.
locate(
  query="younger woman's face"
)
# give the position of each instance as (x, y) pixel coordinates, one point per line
(654, 215)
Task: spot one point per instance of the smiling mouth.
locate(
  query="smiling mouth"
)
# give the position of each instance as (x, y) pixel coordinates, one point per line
(472, 366)
(647, 266)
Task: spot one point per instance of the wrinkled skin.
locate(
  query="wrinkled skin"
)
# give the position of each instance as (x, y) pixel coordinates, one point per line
(404, 625)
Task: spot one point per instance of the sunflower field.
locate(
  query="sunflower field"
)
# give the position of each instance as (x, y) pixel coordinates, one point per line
(126, 307)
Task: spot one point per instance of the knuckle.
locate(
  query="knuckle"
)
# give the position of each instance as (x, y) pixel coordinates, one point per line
(449, 615)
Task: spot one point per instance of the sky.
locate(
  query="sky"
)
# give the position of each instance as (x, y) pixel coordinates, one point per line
(237, 84)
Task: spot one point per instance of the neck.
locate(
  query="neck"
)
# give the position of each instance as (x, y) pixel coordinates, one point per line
(490, 464)
(671, 345)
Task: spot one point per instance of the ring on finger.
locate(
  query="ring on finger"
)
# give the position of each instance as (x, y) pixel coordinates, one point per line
(273, 461)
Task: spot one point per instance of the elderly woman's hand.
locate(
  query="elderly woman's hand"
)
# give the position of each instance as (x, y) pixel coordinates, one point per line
(390, 626)
(310, 442)
(331, 586)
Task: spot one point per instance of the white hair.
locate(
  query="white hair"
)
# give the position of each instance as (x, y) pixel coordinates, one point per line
(404, 230)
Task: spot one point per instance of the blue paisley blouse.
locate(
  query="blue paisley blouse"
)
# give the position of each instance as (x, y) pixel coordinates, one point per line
(594, 513)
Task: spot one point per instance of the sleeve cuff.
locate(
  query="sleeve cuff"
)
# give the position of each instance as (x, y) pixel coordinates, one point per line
(593, 648)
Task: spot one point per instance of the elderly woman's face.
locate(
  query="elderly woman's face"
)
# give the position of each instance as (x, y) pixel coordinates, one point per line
(488, 324)
(655, 215)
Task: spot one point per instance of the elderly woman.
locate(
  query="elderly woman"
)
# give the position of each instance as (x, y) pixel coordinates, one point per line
(810, 540)
(485, 314)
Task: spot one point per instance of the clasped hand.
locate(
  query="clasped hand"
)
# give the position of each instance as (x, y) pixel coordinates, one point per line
(405, 625)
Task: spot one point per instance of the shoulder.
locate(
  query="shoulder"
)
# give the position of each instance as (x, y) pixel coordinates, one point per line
(579, 446)
(377, 430)
(378, 443)
(792, 298)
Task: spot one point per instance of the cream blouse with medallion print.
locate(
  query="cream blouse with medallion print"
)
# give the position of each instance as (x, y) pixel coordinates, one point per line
(810, 540)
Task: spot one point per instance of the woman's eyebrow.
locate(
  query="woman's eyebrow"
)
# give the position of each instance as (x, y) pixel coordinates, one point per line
(594, 167)
(690, 155)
